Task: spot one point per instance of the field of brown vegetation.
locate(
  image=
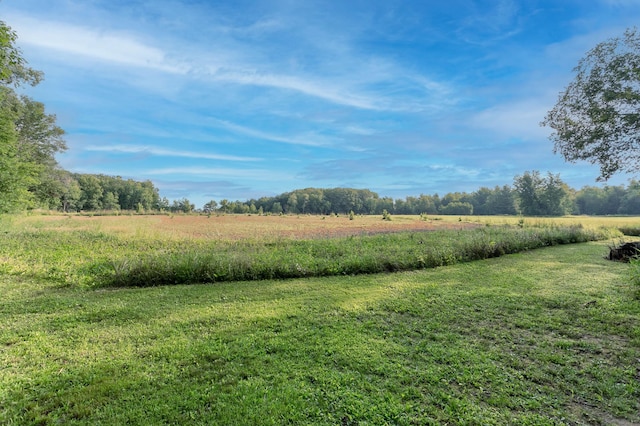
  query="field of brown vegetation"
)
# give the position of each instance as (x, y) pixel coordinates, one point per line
(239, 227)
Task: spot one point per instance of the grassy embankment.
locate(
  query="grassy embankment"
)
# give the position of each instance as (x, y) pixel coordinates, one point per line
(542, 337)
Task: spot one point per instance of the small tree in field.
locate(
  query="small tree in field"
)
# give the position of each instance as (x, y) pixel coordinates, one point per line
(210, 207)
(597, 117)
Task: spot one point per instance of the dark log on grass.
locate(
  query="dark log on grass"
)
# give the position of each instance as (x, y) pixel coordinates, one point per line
(625, 252)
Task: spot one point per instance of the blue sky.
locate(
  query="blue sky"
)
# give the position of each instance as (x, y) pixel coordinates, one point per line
(242, 99)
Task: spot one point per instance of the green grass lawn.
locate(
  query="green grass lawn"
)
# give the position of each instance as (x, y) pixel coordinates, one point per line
(549, 336)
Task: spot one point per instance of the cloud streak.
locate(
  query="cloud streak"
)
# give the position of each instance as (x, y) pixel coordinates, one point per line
(109, 46)
(205, 172)
(125, 49)
(309, 140)
(135, 149)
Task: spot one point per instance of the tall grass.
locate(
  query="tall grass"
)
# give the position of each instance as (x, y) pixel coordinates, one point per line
(240, 261)
(72, 254)
(632, 231)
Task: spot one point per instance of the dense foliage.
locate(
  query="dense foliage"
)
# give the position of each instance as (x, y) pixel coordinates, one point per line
(597, 117)
(18, 170)
(100, 192)
(531, 194)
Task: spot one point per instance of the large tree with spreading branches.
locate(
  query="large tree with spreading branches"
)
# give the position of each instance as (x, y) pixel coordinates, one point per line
(597, 117)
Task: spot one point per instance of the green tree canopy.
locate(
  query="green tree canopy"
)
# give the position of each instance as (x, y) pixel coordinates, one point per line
(15, 176)
(29, 138)
(13, 67)
(597, 117)
(39, 137)
(542, 196)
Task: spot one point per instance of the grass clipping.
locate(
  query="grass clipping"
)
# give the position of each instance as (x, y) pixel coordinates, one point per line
(257, 260)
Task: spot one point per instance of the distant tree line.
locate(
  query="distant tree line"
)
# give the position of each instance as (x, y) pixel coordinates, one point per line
(531, 194)
(75, 192)
(99, 192)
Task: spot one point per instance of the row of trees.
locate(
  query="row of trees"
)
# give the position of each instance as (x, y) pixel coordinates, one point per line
(100, 192)
(532, 194)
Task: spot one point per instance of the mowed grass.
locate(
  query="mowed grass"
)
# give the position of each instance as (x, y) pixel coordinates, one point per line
(549, 336)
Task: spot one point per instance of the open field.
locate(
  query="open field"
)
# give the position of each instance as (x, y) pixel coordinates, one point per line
(235, 227)
(159, 250)
(549, 336)
(238, 227)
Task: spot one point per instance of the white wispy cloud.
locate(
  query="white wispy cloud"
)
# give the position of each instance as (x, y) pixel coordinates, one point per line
(104, 45)
(455, 170)
(355, 129)
(226, 66)
(308, 140)
(309, 85)
(137, 149)
(359, 85)
(255, 174)
(489, 25)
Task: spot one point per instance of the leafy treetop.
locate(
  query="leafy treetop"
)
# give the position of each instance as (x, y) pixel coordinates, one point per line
(13, 67)
(597, 117)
